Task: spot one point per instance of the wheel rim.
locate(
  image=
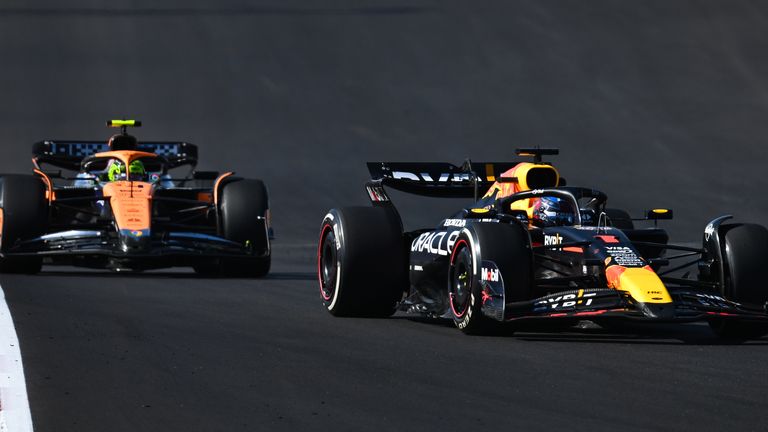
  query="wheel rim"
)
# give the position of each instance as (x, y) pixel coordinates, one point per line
(327, 268)
(460, 290)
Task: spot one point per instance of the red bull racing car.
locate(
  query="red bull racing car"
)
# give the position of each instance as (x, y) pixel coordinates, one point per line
(120, 205)
(532, 248)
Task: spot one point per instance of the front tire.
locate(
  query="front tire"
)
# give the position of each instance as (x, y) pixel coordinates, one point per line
(503, 246)
(745, 249)
(243, 213)
(361, 261)
(24, 210)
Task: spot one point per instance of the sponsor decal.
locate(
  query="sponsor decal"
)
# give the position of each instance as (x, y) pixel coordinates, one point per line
(455, 222)
(551, 240)
(624, 256)
(435, 242)
(377, 194)
(137, 233)
(486, 296)
(489, 274)
(708, 231)
(564, 301)
(590, 228)
(492, 284)
(442, 178)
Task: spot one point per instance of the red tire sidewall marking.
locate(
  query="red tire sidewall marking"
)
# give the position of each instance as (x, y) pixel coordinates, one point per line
(327, 227)
(450, 295)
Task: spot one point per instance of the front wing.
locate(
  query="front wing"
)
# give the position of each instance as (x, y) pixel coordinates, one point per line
(85, 245)
(604, 302)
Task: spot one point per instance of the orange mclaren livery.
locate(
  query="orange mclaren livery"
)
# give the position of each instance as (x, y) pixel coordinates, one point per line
(531, 248)
(122, 204)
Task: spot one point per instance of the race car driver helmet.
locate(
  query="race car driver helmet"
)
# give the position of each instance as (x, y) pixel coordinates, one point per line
(117, 171)
(552, 211)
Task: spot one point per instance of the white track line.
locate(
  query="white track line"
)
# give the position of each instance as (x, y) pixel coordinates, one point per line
(14, 403)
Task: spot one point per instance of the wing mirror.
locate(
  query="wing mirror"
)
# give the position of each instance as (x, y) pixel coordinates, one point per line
(659, 214)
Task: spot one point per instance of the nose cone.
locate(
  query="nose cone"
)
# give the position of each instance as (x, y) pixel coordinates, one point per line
(135, 241)
(645, 287)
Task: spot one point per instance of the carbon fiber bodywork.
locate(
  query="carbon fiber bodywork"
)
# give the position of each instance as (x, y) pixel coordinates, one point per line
(155, 222)
(585, 270)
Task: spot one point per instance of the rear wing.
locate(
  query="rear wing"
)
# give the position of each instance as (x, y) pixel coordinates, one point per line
(69, 154)
(439, 179)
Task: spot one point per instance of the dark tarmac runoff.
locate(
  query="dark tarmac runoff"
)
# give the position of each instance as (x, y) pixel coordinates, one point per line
(657, 103)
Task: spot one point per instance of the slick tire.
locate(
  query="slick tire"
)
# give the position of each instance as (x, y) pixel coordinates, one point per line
(745, 249)
(361, 262)
(619, 219)
(243, 213)
(24, 216)
(507, 246)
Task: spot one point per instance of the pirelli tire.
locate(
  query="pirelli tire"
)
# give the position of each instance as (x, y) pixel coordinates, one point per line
(503, 247)
(243, 218)
(24, 209)
(745, 247)
(362, 261)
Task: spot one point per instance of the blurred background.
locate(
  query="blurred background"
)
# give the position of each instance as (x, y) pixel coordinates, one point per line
(657, 103)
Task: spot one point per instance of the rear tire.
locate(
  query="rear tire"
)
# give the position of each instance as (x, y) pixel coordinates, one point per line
(745, 249)
(508, 247)
(361, 261)
(24, 216)
(240, 203)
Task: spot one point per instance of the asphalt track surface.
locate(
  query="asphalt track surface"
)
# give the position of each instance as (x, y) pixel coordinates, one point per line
(658, 103)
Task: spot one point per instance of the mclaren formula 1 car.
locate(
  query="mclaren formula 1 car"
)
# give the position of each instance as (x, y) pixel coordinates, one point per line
(532, 248)
(117, 205)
